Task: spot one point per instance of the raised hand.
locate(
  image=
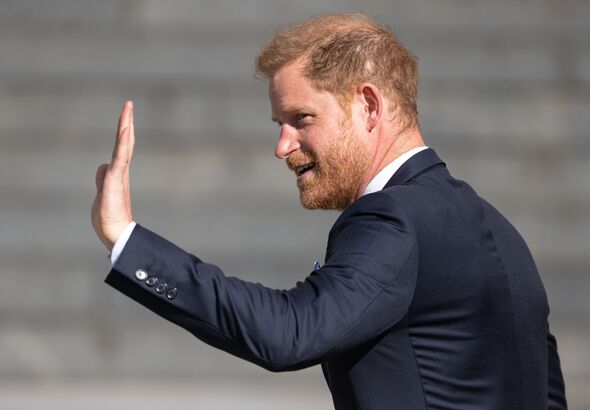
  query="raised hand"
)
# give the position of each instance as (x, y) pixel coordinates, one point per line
(111, 210)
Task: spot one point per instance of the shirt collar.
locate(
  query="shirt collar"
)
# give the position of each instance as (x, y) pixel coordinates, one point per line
(379, 181)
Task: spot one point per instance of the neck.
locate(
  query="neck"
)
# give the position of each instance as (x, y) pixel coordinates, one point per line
(388, 149)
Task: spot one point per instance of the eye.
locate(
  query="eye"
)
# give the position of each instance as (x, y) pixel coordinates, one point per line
(303, 118)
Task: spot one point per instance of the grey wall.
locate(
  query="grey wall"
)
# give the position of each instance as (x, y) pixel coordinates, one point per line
(504, 99)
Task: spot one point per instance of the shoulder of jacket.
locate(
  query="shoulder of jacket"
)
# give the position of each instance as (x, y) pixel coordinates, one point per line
(386, 205)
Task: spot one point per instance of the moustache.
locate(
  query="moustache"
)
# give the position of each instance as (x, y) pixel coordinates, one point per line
(298, 159)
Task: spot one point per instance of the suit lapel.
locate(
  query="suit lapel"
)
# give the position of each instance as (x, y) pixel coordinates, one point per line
(414, 166)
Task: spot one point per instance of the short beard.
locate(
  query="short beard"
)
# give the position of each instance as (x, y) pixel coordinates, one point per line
(338, 173)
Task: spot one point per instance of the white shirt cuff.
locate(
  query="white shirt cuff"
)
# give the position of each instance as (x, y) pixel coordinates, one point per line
(121, 242)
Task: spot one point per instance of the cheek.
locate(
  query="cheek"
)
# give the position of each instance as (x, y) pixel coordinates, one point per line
(312, 142)
(319, 139)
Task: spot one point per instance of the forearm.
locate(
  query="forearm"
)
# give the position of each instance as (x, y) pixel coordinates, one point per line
(245, 319)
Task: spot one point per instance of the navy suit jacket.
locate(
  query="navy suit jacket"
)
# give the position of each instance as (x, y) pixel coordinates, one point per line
(428, 299)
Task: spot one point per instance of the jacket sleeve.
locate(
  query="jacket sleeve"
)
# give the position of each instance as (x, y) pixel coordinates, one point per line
(556, 386)
(364, 288)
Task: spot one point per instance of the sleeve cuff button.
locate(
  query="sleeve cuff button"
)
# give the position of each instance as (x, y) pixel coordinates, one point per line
(161, 288)
(141, 274)
(171, 294)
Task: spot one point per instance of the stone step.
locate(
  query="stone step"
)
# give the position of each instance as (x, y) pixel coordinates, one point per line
(536, 119)
(62, 10)
(122, 348)
(283, 391)
(545, 229)
(477, 15)
(213, 177)
(141, 51)
(290, 391)
(219, 115)
(82, 120)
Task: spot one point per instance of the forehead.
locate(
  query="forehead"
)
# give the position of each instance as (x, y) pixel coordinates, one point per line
(289, 90)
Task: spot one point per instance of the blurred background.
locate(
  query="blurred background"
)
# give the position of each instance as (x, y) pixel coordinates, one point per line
(504, 99)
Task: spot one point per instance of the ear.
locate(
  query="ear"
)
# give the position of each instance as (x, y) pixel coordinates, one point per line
(372, 101)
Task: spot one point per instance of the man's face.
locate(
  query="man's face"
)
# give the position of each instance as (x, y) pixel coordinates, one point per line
(319, 141)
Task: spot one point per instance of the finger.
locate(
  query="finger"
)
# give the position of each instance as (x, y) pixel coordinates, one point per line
(122, 124)
(131, 132)
(130, 148)
(124, 117)
(120, 160)
(101, 172)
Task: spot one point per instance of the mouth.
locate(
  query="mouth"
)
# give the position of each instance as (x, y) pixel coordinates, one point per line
(302, 169)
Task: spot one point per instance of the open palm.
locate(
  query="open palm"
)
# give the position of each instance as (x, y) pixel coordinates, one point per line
(111, 210)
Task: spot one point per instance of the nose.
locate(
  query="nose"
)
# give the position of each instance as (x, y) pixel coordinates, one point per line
(287, 143)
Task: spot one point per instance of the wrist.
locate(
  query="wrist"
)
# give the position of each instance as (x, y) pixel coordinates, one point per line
(112, 235)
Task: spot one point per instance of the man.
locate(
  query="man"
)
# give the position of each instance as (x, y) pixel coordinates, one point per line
(428, 297)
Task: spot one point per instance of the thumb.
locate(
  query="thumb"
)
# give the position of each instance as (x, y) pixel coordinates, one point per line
(100, 175)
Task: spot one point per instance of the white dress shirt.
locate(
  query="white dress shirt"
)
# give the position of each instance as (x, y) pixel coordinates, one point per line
(121, 242)
(379, 181)
(376, 184)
